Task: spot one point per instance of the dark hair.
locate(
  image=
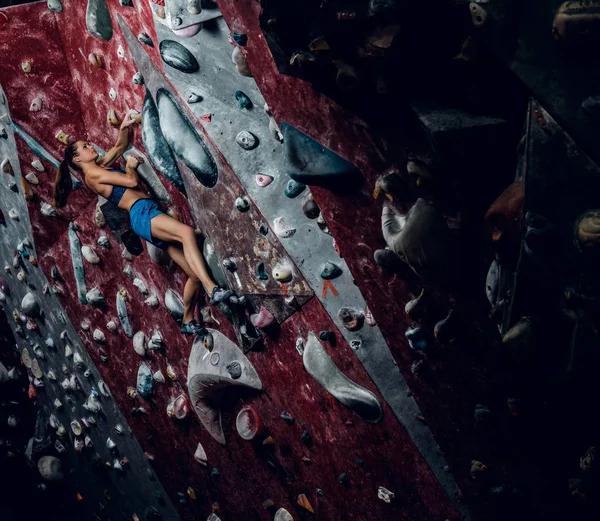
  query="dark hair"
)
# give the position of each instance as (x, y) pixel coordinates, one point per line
(63, 184)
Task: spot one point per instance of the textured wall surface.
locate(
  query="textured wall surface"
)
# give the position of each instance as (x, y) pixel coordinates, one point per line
(370, 455)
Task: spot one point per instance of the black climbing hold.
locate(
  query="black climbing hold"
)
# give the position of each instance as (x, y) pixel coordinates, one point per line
(287, 417)
(145, 39)
(184, 140)
(293, 189)
(151, 514)
(261, 272)
(306, 438)
(156, 145)
(343, 479)
(229, 264)
(263, 229)
(239, 38)
(328, 336)
(319, 491)
(243, 101)
(309, 162)
(242, 204)
(214, 473)
(177, 56)
(359, 462)
(330, 271)
(310, 208)
(234, 369)
(97, 19)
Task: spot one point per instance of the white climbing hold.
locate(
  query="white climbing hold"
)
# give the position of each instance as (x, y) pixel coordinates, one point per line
(111, 326)
(152, 301)
(103, 388)
(13, 214)
(140, 285)
(57, 403)
(156, 341)
(139, 343)
(90, 255)
(128, 271)
(283, 515)
(112, 94)
(99, 336)
(50, 374)
(126, 255)
(281, 229)
(21, 276)
(55, 5)
(159, 377)
(78, 359)
(26, 67)
(68, 351)
(47, 210)
(138, 79)
(121, 52)
(103, 241)
(200, 455)
(385, 495)
(37, 164)
(36, 105)
(85, 325)
(32, 178)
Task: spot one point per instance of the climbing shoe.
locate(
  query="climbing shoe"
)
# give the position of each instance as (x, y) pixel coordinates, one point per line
(220, 295)
(193, 328)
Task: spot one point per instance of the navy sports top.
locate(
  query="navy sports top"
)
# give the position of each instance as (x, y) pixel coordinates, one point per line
(117, 192)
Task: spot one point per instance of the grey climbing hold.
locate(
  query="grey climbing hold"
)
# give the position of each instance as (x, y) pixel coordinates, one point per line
(309, 162)
(140, 285)
(283, 515)
(243, 101)
(242, 204)
(145, 382)
(240, 63)
(47, 210)
(104, 242)
(139, 343)
(30, 306)
(123, 314)
(194, 98)
(184, 140)
(205, 381)
(177, 56)
(97, 19)
(55, 6)
(99, 336)
(77, 260)
(322, 368)
(229, 264)
(95, 298)
(138, 79)
(234, 369)
(294, 189)
(200, 455)
(50, 468)
(287, 418)
(145, 39)
(174, 304)
(281, 229)
(330, 271)
(246, 140)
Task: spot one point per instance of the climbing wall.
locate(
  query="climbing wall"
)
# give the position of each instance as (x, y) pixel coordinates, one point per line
(348, 456)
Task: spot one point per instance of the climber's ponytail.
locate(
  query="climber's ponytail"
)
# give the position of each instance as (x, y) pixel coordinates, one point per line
(63, 183)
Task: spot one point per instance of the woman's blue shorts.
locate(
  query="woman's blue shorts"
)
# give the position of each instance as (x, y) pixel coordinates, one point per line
(140, 215)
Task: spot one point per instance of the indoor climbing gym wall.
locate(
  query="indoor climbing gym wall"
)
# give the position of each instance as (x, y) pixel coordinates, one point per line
(403, 206)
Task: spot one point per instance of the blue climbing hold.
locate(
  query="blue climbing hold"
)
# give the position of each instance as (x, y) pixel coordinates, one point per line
(145, 382)
(416, 338)
(243, 101)
(294, 189)
(239, 38)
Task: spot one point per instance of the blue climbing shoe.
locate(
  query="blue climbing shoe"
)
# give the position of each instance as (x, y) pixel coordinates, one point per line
(193, 328)
(220, 295)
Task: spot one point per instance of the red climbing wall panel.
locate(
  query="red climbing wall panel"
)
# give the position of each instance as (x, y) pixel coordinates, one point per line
(246, 478)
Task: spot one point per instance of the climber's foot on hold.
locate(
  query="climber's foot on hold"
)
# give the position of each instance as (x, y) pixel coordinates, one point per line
(193, 328)
(238, 299)
(220, 295)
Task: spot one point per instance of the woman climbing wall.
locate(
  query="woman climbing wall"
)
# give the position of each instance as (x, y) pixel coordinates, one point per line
(147, 221)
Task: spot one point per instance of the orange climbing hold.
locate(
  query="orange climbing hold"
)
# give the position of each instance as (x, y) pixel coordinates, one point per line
(305, 503)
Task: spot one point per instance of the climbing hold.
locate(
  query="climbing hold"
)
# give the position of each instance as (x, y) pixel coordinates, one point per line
(140, 285)
(246, 140)
(416, 308)
(239, 38)
(343, 479)
(586, 462)
(7, 167)
(446, 330)
(243, 101)
(281, 515)
(305, 503)
(330, 271)
(27, 190)
(36, 104)
(240, 63)
(206, 380)
(139, 343)
(194, 98)
(123, 314)
(306, 438)
(184, 140)
(159, 377)
(416, 338)
(322, 368)
(263, 319)
(97, 19)
(37, 164)
(32, 178)
(385, 495)
(26, 67)
(307, 161)
(352, 319)
(95, 60)
(138, 79)
(145, 383)
(55, 6)
(112, 94)
(50, 468)
(200, 455)
(281, 229)
(104, 241)
(287, 418)
(95, 298)
(99, 336)
(178, 407)
(588, 231)
(229, 264)
(177, 56)
(90, 255)
(293, 189)
(145, 39)
(282, 272)
(248, 423)
(113, 118)
(111, 326)
(263, 180)
(261, 273)
(242, 204)
(30, 306)
(156, 342)
(174, 304)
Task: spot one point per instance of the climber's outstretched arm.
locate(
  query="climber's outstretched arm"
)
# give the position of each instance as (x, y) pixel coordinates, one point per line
(122, 142)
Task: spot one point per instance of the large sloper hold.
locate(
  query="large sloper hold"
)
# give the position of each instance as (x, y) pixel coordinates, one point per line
(309, 162)
(97, 19)
(422, 239)
(178, 56)
(322, 368)
(77, 260)
(184, 140)
(210, 372)
(156, 145)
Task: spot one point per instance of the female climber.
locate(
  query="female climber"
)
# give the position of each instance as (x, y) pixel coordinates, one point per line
(147, 221)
